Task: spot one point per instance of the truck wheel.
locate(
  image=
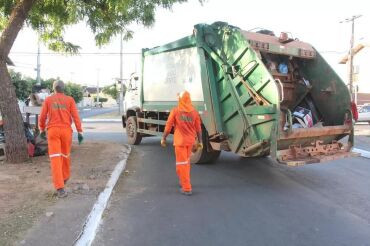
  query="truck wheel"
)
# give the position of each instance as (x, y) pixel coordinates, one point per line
(203, 156)
(133, 137)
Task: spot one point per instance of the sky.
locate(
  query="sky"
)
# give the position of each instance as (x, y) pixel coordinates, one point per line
(316, 22)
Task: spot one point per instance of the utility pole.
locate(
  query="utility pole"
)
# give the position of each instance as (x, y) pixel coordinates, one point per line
(120, 104)
(38, 68)
(351, 54)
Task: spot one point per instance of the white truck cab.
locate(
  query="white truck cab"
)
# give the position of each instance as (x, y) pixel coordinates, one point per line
(132, 96)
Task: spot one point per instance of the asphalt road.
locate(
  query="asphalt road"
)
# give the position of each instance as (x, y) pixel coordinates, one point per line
(236, 202)
(90, 112)
(85, 113)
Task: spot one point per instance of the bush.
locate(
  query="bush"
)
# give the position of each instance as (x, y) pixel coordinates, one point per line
(111, 90)
(101, 99)
(75, 91)
(24, 86)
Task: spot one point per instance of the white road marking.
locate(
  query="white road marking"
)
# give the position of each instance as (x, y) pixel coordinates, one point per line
(364, 153)
(92, 223)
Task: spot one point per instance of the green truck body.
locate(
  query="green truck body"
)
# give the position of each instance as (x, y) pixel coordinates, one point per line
(246, 103)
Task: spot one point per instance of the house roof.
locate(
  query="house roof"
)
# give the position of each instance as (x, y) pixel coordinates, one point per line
(91, 90)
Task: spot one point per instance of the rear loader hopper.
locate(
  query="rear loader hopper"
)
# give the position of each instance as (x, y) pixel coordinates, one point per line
(257, 94)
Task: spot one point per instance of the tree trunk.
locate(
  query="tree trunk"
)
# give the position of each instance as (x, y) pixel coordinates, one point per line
(15, 139)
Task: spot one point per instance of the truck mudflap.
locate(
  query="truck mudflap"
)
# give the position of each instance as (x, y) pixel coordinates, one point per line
(317, 152)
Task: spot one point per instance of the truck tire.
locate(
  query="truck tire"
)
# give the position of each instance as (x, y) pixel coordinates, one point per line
(133, 137)
(204, 156)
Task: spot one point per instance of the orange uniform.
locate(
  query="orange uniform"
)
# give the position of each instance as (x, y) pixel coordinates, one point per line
(56, 115)
(186, 121)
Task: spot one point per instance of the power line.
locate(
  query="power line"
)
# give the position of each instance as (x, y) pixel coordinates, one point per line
(332, 51)
(81, 53)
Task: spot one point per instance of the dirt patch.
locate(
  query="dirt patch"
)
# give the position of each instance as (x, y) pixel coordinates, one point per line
(26, 190)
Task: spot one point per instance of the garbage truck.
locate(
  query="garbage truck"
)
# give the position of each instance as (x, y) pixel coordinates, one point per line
(258, 95)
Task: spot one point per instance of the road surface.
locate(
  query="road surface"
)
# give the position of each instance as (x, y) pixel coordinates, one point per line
(90, 112)
(236, 201)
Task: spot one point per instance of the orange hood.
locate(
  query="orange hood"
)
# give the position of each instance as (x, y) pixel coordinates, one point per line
(185, 102)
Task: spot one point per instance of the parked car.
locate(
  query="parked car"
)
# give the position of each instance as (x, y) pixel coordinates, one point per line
(364, 114)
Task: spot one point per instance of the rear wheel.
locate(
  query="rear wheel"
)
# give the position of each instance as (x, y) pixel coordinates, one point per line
(133, 137)
(207, 155)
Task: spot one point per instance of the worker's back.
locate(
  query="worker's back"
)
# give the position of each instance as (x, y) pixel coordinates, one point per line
(186, 124)
(60, 110)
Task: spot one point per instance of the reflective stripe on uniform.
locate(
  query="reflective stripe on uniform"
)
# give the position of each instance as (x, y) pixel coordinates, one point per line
(65, 156)
(55, 155)
(182, 162)
(58, 155)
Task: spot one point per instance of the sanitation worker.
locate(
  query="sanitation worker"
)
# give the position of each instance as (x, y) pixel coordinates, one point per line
(56, 116)
(186, 122)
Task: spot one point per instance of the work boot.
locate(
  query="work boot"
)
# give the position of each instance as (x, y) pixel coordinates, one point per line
(186, 193)
(61, 193)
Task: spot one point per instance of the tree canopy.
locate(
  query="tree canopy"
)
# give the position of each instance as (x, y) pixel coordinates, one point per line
(106, 18)
(112, 91)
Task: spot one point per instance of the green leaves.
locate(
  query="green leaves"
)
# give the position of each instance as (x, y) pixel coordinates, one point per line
(23, 87)
(74, 91)
(111, 90)
(106, 18)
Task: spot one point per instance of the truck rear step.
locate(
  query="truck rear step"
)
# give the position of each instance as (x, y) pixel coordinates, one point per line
(314, 145)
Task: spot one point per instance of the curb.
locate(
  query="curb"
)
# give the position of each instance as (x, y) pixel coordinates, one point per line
(363, 153)
(93, 220)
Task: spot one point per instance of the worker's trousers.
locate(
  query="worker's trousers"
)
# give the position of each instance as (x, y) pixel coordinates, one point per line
(183, 166)
(59, 143)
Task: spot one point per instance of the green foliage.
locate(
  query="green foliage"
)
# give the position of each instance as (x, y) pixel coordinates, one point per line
(47, 84)
(106, 18)
(112, 91)
(22, 85)
(101, 99)
(75, 91)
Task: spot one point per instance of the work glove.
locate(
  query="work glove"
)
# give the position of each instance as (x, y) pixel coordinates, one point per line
(80, 138)
(163, 142)
(43, 135)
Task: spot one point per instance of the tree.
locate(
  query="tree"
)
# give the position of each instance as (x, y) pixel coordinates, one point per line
(106, 18)
(74, 91)
(22, 85)
(101, 99)
(111, 90)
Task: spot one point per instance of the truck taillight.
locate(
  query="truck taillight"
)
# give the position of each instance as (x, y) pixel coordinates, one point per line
(354, 111)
